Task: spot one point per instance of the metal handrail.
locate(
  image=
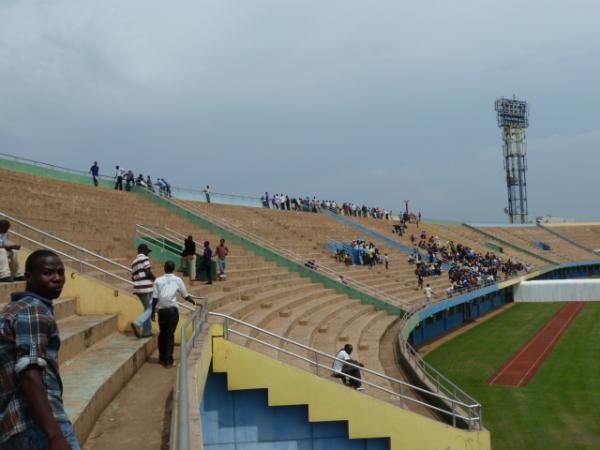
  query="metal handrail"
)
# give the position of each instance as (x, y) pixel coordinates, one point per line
(336, 276)
(470, 411)
(78, 259)
(111, 178)
(62, 241)
(195, 320)
(82, 262)
(43, 164)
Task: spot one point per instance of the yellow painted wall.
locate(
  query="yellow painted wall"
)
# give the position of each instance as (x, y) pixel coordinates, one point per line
(327, 400)
(95, 297)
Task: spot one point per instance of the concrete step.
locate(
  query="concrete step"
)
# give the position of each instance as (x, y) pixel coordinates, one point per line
(92, 378)
(78, 333)
(8, 288)
(63, 307)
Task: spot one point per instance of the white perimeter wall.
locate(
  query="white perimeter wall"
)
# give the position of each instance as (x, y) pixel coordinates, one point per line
(557, 291)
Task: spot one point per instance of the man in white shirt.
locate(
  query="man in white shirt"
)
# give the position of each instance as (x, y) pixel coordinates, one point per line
(341, 370)
(164, 298)
(9, 259)
(428, 293)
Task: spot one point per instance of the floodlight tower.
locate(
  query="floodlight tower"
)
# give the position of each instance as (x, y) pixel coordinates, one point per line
(513, 118)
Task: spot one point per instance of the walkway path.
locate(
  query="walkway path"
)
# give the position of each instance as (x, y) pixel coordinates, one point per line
(521, 368)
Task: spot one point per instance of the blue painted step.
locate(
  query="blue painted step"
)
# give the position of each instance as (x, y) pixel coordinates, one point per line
(243, 420)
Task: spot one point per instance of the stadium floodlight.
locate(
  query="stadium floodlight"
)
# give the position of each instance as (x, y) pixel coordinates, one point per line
(513, 118)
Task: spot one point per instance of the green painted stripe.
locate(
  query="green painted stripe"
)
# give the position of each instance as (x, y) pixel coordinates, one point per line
(55, 174)
(272, 256)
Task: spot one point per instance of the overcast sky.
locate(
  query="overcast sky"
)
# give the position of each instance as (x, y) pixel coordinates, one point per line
(369, 101)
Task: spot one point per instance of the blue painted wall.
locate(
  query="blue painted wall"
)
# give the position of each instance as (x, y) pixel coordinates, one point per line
(450, 314)
(242, 420)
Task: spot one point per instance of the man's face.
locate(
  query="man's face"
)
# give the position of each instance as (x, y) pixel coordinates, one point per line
(48, 277)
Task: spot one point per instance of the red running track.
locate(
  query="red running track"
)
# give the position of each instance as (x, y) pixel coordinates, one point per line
(521, 368)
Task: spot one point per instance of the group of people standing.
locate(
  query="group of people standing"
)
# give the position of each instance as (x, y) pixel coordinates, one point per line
(160, 293)
(128, 177)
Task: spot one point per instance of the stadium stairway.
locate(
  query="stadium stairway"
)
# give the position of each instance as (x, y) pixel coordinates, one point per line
(104, 221)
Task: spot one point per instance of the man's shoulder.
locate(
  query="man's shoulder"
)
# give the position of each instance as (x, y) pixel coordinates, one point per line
(26, 304)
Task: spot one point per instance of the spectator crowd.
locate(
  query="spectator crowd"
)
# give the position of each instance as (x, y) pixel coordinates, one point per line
(466, 268)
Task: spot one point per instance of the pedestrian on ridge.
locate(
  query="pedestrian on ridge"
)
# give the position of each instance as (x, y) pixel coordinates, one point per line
(119, 178)
(95, 171)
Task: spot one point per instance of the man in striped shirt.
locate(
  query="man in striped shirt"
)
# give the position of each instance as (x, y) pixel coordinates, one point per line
(143, 286)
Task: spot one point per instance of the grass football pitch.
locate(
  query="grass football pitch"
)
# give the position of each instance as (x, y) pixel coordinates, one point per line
(560, 408)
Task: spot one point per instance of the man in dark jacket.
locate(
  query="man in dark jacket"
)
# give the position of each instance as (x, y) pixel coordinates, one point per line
(189, 257)
(207, 261)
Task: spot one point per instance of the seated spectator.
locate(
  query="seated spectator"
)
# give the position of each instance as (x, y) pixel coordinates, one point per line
(349, 374)
(311, 264)
(9, 258)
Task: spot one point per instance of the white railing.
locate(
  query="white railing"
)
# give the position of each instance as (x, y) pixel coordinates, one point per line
(73, 253)
(195, 320)
(452, 404)
(265, 243)
(425, 372)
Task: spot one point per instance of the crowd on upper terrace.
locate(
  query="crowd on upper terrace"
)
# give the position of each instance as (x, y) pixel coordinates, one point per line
(467, 268)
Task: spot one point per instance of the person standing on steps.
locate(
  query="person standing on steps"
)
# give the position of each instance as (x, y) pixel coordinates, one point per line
(95, 171)
(222, 252)
(32, 413)
(9, 258)
(207, 262)
(143, 279)
(164, 297)
(428, 293)
(119, 178)
(206, 191)
(189, 257)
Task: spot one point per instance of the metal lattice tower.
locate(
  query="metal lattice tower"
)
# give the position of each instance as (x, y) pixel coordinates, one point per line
(513, 118)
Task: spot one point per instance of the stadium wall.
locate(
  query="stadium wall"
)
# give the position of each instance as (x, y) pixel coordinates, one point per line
(450, 314)
(328, 401)
(558, 291)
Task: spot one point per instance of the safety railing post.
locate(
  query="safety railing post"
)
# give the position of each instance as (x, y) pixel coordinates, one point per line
(401, 395)
(317, 368)
(453, 413)
(80, 262)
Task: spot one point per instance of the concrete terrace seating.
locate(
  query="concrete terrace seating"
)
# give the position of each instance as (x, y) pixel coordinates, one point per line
(256, 290)
(477, 241)
(561, 250)
(585, 234)
(306, 234)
